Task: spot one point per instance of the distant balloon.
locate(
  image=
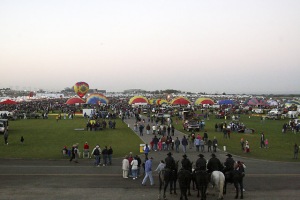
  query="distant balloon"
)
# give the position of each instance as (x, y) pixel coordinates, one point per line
(81, 88)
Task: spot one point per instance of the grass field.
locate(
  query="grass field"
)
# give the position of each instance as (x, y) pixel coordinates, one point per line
(281, 146)
(46, 138)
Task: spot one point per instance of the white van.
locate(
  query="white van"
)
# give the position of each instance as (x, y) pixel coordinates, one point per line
(258, 111)
(292, 114)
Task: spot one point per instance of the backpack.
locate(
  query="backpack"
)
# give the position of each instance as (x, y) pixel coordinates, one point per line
(96, 152)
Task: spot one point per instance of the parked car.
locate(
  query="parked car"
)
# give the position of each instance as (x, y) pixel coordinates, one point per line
(273, 117)
(258, 111)
(191, 125)
(2, 128)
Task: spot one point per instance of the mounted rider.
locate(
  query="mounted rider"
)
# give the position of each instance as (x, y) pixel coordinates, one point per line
(229, 163)
(170, 162)
(201, 163)
(186, 163)
(214, 164)
(229, 166)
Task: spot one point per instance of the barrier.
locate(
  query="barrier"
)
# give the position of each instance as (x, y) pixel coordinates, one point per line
(142, 148)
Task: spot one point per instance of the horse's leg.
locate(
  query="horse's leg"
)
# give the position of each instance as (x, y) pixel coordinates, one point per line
(236, 185)
(171, 186)
(185, 193)
(160, 186)
(175, 186)
(224, 189)
(242, 188)
(189, 188)
(165, 188)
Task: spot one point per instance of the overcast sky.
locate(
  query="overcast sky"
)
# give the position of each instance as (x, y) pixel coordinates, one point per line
(230, 46)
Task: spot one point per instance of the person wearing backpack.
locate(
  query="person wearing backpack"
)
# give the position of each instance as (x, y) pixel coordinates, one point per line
(96, 152)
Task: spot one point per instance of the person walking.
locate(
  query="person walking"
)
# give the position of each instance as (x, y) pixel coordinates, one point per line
(155, 141)
(177, 143)
(296, 150)
(125, 167)
(184, 143)
(105, 156)
(146, 150)
(96, 153)
(209, 144)
(5, 135)
(160, 166)
(202, 146)
(197, 143)
(215, 144)
(139, 165)
(262, 140)
(109, 154)
(148, 172)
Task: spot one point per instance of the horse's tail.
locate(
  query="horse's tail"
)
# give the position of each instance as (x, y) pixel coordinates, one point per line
(221, 184)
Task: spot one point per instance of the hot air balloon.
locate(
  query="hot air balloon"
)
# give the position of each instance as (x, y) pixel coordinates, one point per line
(81, 88)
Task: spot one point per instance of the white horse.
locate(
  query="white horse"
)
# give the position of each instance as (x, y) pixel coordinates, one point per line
(217, 180)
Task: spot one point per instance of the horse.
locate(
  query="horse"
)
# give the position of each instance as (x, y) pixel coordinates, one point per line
(235, 177)
(184, 179)
(165, 177)
(217, 179)
(202, 180)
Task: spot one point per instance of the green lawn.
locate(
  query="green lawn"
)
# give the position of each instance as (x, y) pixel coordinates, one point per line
(45, 138)
(281, 146)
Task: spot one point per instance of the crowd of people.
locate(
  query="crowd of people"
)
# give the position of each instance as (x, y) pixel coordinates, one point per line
(96, 153)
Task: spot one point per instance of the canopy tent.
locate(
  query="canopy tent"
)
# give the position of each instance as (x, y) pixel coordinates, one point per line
(138, 100)
(226, 102)
(272, 102)
(252, 102)
(203, 101)
(74, 100)
(291, 103)
(97, 98)
(263, 102)
(8, 102)
(180, 101)
(256, 102)
(162, 101)
(152, 101)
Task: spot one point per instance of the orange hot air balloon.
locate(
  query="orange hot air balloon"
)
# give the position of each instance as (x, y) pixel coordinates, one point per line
(81, 88)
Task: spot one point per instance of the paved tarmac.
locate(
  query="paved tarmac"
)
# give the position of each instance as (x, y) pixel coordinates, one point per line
(60, 179)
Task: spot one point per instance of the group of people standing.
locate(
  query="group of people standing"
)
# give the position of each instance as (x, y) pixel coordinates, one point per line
(106, 154)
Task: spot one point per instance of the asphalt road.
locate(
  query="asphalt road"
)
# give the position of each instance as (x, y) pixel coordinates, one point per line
(60, 179)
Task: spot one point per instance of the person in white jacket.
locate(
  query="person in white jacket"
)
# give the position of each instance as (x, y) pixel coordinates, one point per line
(125, 167)
(134, 167)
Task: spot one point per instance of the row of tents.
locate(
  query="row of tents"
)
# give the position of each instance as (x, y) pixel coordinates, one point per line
(98, 98)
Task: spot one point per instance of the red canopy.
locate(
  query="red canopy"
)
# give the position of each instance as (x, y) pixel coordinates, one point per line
(8, 101)
(75, 100)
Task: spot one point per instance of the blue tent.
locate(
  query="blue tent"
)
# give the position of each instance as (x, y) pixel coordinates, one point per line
(226, 102)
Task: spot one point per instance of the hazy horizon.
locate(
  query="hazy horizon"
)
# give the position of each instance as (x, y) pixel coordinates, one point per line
(233, 46)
